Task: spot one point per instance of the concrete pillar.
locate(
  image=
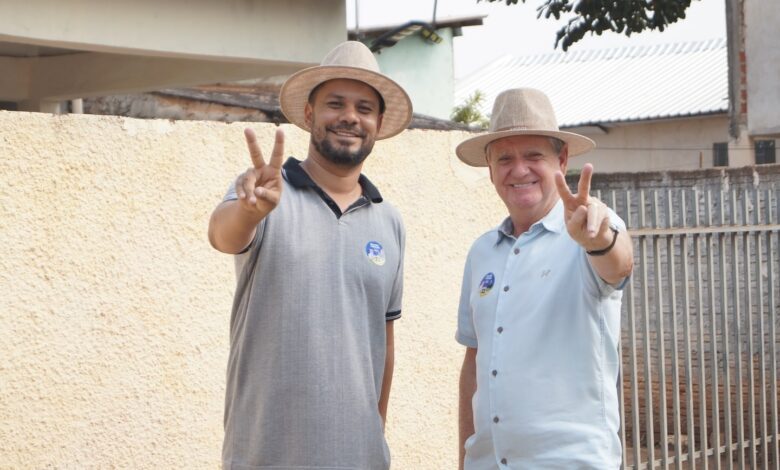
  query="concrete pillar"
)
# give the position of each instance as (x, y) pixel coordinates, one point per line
(740, 144)
(41, 106)
(741, 149)
(77, 106)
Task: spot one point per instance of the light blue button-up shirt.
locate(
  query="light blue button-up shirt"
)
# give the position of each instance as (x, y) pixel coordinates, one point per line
(546, 329)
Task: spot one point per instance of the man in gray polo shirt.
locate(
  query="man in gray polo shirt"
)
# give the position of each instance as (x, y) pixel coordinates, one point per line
(320, 264)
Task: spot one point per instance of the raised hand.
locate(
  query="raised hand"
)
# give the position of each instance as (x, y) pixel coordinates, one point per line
(259, 188)
(587, 218)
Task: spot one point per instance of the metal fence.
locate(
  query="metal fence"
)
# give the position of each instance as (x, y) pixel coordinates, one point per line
(699, 350)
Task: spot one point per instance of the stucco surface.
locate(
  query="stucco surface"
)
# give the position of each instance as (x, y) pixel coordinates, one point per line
(763, 66)
(114, 308)
(425, 70)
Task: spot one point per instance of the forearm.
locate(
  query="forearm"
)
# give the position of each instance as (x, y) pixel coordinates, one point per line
(232, 228)
(467, 388)
(387, 380)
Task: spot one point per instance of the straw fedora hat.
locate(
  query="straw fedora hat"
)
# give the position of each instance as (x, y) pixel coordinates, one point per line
(520, 111)
(350, 60)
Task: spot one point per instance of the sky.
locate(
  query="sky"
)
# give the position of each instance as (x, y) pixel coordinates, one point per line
(516, 31)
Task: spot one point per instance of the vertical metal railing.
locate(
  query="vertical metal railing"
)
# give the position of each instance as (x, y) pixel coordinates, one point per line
(699, 379)
(713, 336)
(773, 260)
(747, 238)
(690, 429)
(703, 439)
(759, 265)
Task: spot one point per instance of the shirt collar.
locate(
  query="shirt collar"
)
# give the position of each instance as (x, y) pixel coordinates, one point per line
(297, 177)
(552, 222)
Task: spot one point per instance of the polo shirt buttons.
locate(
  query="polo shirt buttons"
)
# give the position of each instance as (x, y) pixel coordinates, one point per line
(500, 329)
(506, 288)
(503, 461)
(517, 250)
(495, 419)
(495, 372)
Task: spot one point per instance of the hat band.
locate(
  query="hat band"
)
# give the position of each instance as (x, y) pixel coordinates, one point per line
(523, 128)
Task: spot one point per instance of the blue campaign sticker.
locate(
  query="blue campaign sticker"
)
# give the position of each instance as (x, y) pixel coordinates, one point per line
(486, 284)
(375, 253)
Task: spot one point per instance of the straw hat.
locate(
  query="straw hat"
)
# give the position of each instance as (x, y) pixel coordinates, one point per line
(520, 111)
(351, 60)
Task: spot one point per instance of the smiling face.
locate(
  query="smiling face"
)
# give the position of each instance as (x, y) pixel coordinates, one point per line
(344, 117)
(522, 168)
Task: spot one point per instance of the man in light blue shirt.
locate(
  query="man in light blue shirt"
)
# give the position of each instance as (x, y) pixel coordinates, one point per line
(540, 301)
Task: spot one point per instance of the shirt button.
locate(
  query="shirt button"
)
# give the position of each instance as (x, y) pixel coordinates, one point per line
(503, 461)
(495, 419)
(495, 372)
(517, 250)
(500, 329)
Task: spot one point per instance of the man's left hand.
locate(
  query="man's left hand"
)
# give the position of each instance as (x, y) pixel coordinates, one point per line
(587, 218)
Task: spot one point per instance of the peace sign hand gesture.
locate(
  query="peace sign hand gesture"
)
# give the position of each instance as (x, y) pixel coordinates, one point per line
(259, 188)
(587, 218)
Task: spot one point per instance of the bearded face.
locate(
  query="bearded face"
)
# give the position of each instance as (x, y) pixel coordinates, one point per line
(344, 118)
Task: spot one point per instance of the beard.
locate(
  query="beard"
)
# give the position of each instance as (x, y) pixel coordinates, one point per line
(339, 154)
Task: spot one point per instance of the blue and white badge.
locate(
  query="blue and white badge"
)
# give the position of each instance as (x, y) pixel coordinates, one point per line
(486, 284)
(375, 253)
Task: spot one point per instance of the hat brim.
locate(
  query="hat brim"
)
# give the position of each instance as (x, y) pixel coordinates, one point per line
(473, 151)
(295, 93)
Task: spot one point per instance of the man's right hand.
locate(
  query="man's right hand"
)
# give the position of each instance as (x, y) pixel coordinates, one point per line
(260, 187)
(233, 223)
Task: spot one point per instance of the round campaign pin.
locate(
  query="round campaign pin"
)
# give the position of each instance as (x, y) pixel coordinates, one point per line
(375, 253)
(486, 284)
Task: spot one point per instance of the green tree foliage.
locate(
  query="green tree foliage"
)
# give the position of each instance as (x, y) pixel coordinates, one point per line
(621, 16)
(469, 113)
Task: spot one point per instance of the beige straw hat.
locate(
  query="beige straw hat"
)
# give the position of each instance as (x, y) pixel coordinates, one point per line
(520, 111)
(350, 60)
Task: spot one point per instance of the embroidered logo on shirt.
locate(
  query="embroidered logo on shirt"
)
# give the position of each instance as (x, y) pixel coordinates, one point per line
(486, 284)
(375, 253)
(545, 273)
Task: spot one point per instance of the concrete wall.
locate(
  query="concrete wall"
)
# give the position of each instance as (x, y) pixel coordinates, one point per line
(52, 52)
(425, 70)
(303, 30)
(114, 308)
(680, 144)
(763, 66)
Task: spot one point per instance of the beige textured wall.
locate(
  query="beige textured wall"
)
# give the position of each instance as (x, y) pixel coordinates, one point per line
(114, 309)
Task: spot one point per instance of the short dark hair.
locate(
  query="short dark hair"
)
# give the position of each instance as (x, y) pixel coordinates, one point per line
(314, 91)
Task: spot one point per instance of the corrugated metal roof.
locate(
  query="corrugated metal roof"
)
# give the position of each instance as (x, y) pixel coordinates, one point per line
(614, 85)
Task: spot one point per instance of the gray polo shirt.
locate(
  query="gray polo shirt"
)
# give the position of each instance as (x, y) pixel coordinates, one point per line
(307, 332)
